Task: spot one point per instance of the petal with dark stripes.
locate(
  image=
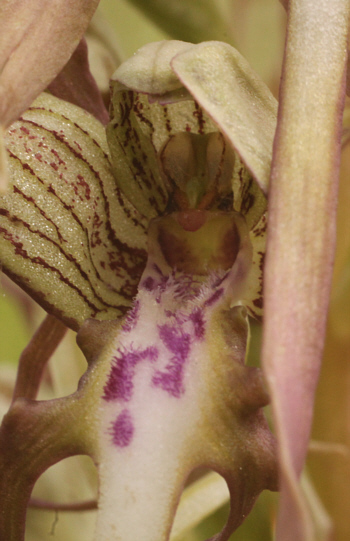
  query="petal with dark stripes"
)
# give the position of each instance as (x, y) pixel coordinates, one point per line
(211, 88)
(137, 132)
(68, 235)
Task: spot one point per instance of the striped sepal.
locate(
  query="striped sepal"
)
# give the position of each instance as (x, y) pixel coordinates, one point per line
(253, 299)
(68, 236)
(137, 132)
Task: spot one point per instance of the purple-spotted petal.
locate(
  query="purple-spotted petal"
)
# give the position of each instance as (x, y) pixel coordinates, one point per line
(133, 156)
(176, 394)
(139, 128)
(68, 236)
(301, 239)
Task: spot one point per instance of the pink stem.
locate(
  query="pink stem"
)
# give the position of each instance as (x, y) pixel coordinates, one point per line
(302, 234)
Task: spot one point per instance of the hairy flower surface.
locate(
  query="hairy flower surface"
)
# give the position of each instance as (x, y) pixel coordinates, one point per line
(172, 225)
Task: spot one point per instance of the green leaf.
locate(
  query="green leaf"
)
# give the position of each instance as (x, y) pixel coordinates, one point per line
(193, 21)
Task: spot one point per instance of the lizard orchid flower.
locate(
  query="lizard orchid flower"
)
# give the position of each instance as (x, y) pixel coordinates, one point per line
(153, 250)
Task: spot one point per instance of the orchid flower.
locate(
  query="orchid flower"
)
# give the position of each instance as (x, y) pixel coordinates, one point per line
(174, 239)
(173, 208)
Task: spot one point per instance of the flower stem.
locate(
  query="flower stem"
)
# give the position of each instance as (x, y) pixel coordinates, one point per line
(35, 356)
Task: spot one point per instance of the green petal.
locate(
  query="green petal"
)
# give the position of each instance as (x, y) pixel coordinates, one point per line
(173, 109)
(149, 70)
(139, 129)
(68, 236)
(224, 84)
(199, 500)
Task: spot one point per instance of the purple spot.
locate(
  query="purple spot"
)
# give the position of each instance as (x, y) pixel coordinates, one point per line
(212, 300)
(175, 340)
(122, 429)
(179, 343)
(198, 323)
(171, 380)
(132, 317)
(148, 284)
(120, 385)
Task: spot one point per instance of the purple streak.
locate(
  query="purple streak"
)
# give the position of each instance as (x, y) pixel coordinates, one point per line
(120, 385)
(215, 297)
(175, 340)
(132, 317)
(197, 319)
(179, 343)
(171, 379)
(149, 284)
